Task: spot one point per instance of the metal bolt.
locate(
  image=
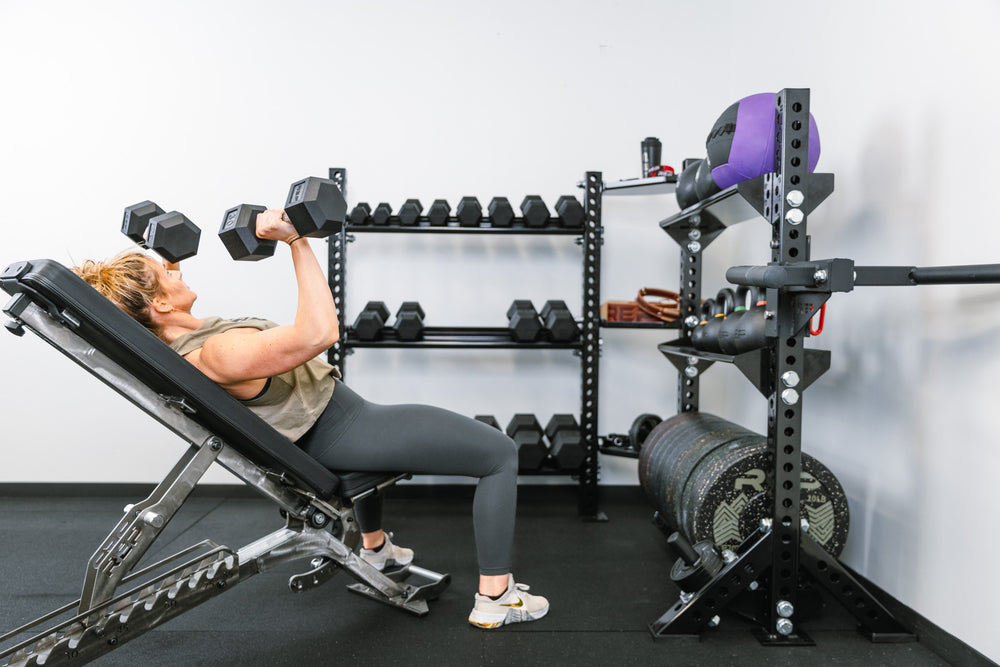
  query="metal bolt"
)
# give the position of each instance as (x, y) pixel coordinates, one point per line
(694, 234)
(804, 525)
(765, 524)
(728, 556)
(691, 371)
(686, 597)
(790, 378)
(795, 198)
(768, 314)
(216, 444)
(785, 608)
(714, 622)
(694, 246)
(128, 508)
(153, 519)
(690, 321)
(795, 216)
(753, 585)
(820, 276)
(695, 220)
(789, 397)
(784, 626)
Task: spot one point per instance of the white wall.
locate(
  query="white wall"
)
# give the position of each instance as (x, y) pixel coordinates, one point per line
(202, 105)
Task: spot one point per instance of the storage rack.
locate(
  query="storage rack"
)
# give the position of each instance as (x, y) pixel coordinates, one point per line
(589, 237)
(781, 371)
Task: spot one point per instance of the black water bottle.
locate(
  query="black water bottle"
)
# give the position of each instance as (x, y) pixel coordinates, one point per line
(651, 155)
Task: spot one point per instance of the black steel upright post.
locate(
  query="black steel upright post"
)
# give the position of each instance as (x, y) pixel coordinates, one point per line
(593, 238)
(336, 272)
(789, 242)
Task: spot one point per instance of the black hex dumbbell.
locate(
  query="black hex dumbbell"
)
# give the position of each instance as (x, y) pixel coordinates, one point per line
(501, 212)
(523, 322)
(409, 324)
(559, 322)
(409, 212)
(316, 207)
(570, 211)
(238, 233)
(371, 320)
(381, 214)
(171, 235)
(566, 441)
(526, 432)
(361, 214)
(438, 213)
(469, 212)
(534, 211)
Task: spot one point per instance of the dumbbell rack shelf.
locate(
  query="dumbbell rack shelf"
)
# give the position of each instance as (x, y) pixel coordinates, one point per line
(423, 226)
(589, 236)
(459, 337)
(782, 370)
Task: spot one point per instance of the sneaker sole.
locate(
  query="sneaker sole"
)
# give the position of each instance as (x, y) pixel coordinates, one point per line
(487, 621)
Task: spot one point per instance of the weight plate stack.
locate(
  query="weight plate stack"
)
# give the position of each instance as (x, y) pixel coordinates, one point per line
(712, 479)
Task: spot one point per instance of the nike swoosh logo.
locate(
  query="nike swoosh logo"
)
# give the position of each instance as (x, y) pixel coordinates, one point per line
(519, 603)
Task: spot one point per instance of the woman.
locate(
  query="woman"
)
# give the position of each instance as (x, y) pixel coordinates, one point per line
(274, 370)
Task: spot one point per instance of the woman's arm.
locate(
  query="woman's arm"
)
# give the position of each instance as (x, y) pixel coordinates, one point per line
(238, 355)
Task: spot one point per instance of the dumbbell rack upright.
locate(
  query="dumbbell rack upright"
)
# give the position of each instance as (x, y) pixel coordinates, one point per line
(781, 371)
(589, 237)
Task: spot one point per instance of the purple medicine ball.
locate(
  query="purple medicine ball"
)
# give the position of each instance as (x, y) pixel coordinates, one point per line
(741, 144)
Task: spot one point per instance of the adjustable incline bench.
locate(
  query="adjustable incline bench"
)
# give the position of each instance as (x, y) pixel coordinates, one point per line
(51, 301)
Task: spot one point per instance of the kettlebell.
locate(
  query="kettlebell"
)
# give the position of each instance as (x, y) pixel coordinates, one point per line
(725, 301)
(705, 314)
(748, 334)
(727, 333)
(686, 193)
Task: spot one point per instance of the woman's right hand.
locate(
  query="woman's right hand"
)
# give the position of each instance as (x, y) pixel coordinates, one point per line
(274, 224)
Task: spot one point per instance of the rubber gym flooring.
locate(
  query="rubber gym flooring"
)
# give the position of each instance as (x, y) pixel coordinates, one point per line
(605, 581)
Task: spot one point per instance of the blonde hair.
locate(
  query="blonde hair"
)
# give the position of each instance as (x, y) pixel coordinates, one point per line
(127, 280)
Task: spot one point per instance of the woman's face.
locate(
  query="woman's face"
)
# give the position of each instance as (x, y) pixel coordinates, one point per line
(173, 289)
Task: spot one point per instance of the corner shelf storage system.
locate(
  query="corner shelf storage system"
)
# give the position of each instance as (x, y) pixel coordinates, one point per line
(781, 371)
(589, 237)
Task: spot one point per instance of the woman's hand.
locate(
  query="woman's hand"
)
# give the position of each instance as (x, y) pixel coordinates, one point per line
(274, 224)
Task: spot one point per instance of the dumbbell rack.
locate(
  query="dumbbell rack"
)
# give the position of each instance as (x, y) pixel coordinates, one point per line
(589, 237)
(781, 372)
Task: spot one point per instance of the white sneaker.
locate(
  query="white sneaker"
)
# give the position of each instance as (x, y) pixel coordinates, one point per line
(389, 554)
(515, 606)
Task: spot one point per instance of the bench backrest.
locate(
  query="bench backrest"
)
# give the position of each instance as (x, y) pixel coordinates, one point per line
(91, 316)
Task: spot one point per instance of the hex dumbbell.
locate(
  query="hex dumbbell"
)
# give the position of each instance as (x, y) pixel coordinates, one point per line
(559, 322)
(523, 321)
(409, 324)
(570, 211)
(381, 214)
(534, 212)
(369, 323)
(314, 206)
(438, 213)
(526, 432)
(566, 441)
(171, 235)
(469, 212)
(409, 212)
(361, 214)
(501, 212)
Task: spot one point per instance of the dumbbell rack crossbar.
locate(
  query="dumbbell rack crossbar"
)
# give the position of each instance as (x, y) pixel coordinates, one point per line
(781, 371)
(589, 237)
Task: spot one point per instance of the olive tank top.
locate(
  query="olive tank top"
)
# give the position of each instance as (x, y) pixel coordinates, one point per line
(290, 402)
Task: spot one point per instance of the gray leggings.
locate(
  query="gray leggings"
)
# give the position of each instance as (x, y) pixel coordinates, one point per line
(355, 435)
